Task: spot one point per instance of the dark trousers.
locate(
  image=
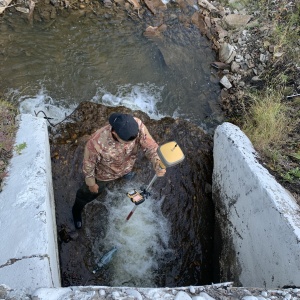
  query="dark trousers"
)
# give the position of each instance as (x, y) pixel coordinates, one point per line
(84, 196)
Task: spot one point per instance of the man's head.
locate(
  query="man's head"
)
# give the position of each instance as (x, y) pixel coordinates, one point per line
(124, 126)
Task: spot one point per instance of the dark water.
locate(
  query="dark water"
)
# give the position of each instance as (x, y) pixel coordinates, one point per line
(107, 59)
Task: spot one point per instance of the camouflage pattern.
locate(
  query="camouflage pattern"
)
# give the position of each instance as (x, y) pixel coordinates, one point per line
(106, 159)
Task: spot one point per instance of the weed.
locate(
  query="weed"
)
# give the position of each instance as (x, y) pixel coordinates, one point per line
(20, 147)
(291, 175)
(295, 172)
(287, 177)
(296, 155)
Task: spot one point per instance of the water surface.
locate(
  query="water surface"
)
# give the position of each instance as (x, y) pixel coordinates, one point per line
(107, 59)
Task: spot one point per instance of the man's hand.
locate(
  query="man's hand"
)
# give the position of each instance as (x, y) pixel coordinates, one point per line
(94, 188)
(160, 170)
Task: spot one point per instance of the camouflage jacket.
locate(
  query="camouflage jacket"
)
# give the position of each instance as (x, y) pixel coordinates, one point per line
(107, 159)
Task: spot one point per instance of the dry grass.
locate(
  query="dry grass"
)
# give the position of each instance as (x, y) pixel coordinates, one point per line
(266, 123)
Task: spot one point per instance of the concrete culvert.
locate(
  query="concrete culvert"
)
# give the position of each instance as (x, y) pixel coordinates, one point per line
(169, 239)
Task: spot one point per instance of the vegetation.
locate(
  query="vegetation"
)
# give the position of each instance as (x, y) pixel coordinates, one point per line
(266, 123)
(271, 118)
(20, 147)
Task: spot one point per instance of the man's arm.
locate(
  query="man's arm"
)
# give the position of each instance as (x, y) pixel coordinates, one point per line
(89, 165)
(149, 146)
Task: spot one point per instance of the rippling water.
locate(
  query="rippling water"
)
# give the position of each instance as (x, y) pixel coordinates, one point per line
(107, 59)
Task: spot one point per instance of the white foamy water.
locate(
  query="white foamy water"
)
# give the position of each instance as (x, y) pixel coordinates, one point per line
(144, 97)
(136, 97)
(142, 241)
(42, 105)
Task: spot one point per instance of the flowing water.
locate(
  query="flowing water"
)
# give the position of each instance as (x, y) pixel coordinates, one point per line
(106, 59)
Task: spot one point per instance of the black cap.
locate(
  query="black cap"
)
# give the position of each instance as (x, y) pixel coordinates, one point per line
(124, 125)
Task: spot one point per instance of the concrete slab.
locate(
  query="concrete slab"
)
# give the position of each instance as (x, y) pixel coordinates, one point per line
(28, 251)
(259, 217)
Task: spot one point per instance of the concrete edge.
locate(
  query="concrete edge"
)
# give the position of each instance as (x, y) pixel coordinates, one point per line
(260, 218)
(29, 258)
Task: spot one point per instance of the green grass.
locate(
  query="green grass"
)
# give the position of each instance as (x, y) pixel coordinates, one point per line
(20, 147)
(292, 175)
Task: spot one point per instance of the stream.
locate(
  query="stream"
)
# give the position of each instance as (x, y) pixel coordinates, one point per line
(107, 59)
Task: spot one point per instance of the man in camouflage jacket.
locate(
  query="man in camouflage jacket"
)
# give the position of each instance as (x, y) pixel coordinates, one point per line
(110, 154)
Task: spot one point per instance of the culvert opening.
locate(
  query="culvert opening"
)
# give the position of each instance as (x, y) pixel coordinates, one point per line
(168, 241)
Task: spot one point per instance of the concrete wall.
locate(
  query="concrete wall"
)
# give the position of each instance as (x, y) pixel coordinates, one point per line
(28, 249)
(257, 217)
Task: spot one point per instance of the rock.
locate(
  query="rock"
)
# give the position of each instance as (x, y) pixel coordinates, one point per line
(226, 53)
(3, 291)
(207, 5)
(206, 296)
(225, 82)
(220, 31)
(271, 48)
(154, 31)
(183, 296)
(155, 6)
(134, 293)
(262, 57)
(135, 3)
(220, 65)
(22, 9)
(198, 20)
(234, 21)
(235, 67)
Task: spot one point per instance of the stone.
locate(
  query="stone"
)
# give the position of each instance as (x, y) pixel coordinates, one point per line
(271, 48)
(155, 6)
(134, 293)
(135, 3)
(22, 10)
(220, 65)
(235, 67)
(234, 21)
(226, 53)
(198, 20)
(206, 4)
(225, 82)
(182, 296)
(206, 296)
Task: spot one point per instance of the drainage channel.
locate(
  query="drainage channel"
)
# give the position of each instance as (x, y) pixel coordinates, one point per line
(169, 239)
